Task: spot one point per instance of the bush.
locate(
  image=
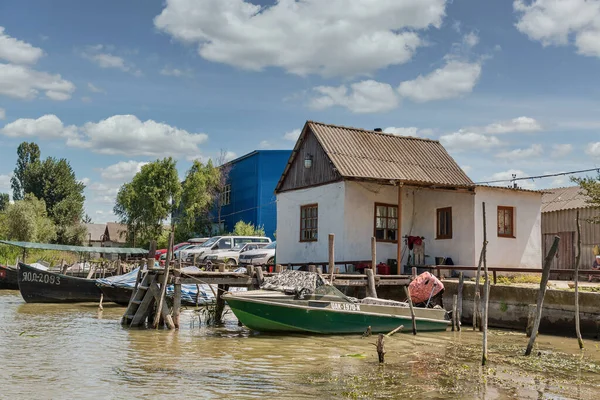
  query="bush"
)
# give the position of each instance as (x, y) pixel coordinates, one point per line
(242, 228)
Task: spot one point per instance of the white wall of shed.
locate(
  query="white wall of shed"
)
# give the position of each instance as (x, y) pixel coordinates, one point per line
(525, 250)
(330, 199)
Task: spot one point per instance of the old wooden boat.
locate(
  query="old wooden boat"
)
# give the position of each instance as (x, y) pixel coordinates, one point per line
(39, 286)
(8, 278)
(321, 308)
(115, 293)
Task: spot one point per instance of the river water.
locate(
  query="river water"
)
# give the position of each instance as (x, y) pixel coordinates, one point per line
(51, 351)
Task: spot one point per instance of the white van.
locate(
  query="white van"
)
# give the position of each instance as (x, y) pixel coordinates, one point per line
(218, 244)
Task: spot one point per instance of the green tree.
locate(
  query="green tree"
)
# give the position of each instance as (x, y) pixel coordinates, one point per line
(4, 201)
(591, 188)
(148, 200)
(242, 228)
(28, 154)
(27, 220)
(198, 194)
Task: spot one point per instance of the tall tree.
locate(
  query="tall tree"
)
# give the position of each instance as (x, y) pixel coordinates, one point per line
(4, 201)
(28, 154)
(590, 187)
(148, 200)
(27, 220)
(198, 195)
(53, 181)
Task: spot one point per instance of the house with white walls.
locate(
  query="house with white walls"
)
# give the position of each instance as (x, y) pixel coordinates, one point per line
(359, 184)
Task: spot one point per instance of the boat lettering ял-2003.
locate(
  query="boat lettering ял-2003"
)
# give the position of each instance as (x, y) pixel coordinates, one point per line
(325, 310)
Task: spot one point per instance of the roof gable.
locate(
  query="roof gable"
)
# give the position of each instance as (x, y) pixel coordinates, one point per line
(95, 232)
(115, 232)
(360, 154)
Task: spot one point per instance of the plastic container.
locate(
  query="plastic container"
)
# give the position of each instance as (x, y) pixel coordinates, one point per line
(383, 269)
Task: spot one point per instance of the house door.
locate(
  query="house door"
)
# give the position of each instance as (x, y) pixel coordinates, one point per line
(565, 256)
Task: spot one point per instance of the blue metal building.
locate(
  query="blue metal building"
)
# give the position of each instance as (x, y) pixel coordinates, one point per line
(250, 191)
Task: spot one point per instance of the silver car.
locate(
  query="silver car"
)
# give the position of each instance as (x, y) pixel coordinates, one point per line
(263, 256)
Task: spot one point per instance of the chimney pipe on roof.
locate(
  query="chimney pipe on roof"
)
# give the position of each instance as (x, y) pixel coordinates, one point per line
(378, 130)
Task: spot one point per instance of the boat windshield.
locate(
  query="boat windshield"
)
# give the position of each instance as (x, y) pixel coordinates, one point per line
(332, 291)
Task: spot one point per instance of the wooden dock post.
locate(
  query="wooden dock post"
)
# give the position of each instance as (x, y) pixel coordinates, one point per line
(374, 254)
(278, 268)
(177, 296)
(412, 310)
(371, 291)
(454, 312)
(160, 310)
(542, 293)
(531, 313)
(220, 303)
(459, 304)
(312, 268)
(486, 293)
(380, 349)
(477, 297)
(414, 273)
(331, 265)
(260, 277)
(577, 261)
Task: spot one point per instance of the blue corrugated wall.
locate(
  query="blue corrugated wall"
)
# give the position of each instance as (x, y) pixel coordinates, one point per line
(253, 179)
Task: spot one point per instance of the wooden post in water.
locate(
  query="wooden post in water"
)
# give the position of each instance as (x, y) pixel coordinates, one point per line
(380, 348)
(331, 265)
(412, 310)
(454, 312)
(260, 277)
(220, 304)
(577, 261)
(374, 254)
(163, 289)
(486, 294)
(177, 296)
(542, 293)
(477, 299)
(371, 291)
(531, 313)
(459, 304)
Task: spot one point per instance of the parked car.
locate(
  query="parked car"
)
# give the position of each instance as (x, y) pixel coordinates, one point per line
(177, 253)
(198, 240)
(220, 244)
(232, 257)
(263, 256)
(164, 251)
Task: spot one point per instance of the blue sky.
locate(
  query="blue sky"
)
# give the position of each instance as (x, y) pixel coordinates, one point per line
(507, 87)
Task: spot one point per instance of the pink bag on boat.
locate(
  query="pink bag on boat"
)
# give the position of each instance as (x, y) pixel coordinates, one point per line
(424, 287)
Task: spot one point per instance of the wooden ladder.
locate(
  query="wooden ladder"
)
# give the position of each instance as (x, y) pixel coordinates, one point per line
(147, 294)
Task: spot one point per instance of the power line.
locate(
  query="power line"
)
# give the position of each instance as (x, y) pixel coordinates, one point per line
(514, 178)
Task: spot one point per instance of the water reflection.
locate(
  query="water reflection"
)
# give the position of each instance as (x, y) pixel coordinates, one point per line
(79, 351)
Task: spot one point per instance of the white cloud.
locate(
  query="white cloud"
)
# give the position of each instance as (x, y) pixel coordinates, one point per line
(471, 39)
(365, 97)
(5, 183)
(535, 150)
(121, 171)
(22, 82)
(229, 155)
(465, 141)
(176, 72)
(331, 38)
(455, 79)
(561, 23)
(2, 113)
(99, 55)
(127, 135)
(508, 175)
(16, 51)
(292, 135)
(45, 127)
(520, 124)
(561, 150)
(86, 99)
(593, 149)
(94, 88)
(264, 144)
(85, 181)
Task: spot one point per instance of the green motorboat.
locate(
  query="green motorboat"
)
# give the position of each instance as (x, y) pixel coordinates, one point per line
(325, 310)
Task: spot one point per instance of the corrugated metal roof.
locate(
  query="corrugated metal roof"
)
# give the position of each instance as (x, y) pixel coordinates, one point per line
(512, 189)
(76, 249)
(566, 198)
(358, 153)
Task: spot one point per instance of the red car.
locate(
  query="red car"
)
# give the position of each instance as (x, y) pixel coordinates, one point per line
(163, 251)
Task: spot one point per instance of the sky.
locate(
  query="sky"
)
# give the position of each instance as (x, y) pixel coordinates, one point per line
(507, 87)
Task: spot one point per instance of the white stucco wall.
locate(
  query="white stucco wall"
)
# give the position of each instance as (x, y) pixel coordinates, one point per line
(461, 247)
(330, 199)
(525, 250)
